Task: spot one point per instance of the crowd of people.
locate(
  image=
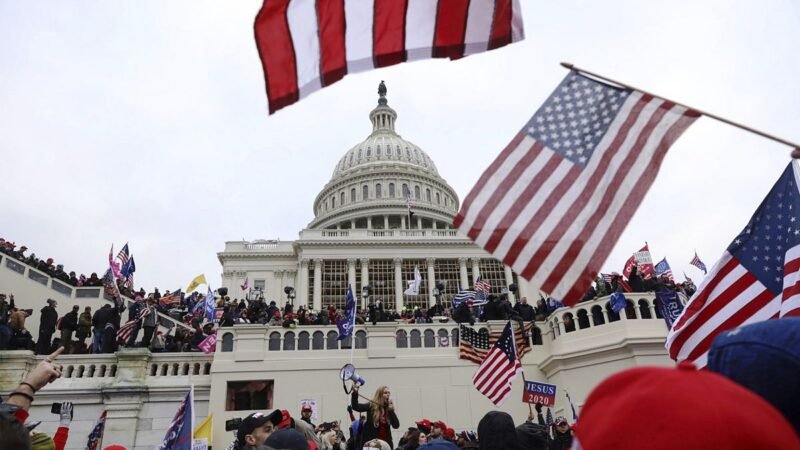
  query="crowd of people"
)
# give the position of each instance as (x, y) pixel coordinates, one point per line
(48, 266)
(746, 399)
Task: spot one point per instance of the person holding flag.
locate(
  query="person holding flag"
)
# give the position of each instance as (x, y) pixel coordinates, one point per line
(347, 323)
(179, 433)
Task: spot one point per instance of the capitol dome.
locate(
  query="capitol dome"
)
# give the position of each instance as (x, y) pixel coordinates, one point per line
(369, 184)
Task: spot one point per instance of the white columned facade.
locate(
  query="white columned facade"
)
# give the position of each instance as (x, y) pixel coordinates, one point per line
(302, 285)
(364, 280)
(385, 222)
(403, 222)
(398, 283)
(317, 285)
(509, 281)
(431, 281)
(369, 222)
(351, 275)
(462, 271)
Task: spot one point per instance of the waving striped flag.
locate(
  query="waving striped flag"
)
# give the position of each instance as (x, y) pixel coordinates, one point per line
(757, 278)
(474, 345)
(96, 436)
(482, 286)
(558, 197)
(699, 264)
(125, 331)
(499, 368)
(306, 45)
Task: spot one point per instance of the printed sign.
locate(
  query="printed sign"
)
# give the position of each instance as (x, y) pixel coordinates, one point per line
(444, 341)
(200, 444)
(539, 393)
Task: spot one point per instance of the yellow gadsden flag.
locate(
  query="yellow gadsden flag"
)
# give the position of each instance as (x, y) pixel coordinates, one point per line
(198, 280)
(204, 429)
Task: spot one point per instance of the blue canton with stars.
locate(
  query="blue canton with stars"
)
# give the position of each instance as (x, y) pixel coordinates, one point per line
(576, 116)
(774, 228)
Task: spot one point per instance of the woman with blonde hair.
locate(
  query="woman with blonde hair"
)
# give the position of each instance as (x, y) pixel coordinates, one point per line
(381, 416)
(330, 441)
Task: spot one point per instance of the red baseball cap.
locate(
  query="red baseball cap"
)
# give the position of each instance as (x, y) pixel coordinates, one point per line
(286, 421)
(424, 425)
(439, 424)
(667, 408)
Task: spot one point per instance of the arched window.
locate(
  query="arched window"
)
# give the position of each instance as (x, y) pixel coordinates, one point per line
(416, 339)
(318, 341)
(405, 190)
(341, 198)
(438, 200)
(430, 339)
(597, 315)
(378, 191)
(361, 339)
(402, 339)
(644, 309)
(378, 153)
(333, 201)
(333, 340)
(227, 342)
(416, 192)
(303, 340)
(583, 319)
(353, 195)
(365, 192)
(428, 195)
(391, 190)
(288, 341)
(274, 341)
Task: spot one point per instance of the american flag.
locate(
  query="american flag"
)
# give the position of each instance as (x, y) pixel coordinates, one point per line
(465, 295)
(499, 368)
(127, 271)
(305, 45)
(556, 200)
(125, 331)
(96, 436)
(699, 264)
(474, 345)
(663, 269)
(123, 255)
(170, 300)
(757, 278)
(607, 277)
(482, 286)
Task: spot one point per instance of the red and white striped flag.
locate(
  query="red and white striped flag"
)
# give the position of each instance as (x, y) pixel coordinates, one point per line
(125, 331)
(499, 368)
(558, 197)
(757, 278)
(306, 45)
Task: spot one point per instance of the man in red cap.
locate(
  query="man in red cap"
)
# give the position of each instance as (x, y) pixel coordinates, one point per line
(305, 414)
(437, 430)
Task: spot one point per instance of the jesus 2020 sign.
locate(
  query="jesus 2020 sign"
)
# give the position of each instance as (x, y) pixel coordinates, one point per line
(542, 393)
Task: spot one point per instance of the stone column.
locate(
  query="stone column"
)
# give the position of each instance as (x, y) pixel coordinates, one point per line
(419, 222)
(369, 222)
(302, 288)
(317, 284)
(431, 281)
(509, 281)
(434, 222)
(403, 221)
(364, 280)
(351, 275)
(398, 283)
(352, 224)
(524, 291)
(385, 222)
(123, 398)
(462, 269)
(476, 271)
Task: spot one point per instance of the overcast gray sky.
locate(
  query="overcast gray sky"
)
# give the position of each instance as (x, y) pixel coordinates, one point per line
(146, 122)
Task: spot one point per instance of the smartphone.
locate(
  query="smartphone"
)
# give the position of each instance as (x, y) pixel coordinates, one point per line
(55, 408)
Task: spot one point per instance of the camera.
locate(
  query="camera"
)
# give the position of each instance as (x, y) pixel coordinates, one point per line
(233, 424)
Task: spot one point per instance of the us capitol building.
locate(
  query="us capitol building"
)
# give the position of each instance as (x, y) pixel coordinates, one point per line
(361, 235)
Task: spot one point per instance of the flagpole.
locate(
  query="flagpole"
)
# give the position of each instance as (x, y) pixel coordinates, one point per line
(795, 146)
(519, 358)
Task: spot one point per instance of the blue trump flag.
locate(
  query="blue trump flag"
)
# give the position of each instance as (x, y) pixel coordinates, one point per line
(617, 302)
(210, 305)
(179, 433)
(346, 324)
(670, 306)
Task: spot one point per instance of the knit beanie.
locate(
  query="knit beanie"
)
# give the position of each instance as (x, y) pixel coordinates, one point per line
(41, 441)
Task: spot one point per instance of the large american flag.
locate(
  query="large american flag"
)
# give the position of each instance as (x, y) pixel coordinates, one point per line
(757, 278)
(499, 368)
(125, 331)
(474, 345)
(556, 200)
(123, 255)
(306, 45)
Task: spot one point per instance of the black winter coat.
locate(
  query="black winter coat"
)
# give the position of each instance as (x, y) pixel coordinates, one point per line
(369, 431)
(49, 319)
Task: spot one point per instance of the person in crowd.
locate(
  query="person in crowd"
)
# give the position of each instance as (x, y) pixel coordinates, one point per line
(763, 357)
(98, 325)
(378, 444)
(276, 320)
(533, 436)
(525, 311)
(287, 439)
(256, 428)
(159, 342)
(496, 431)
(411, 440)
(84, 329)
(47, 326)
(305, 414)
(68, 324)
(150, 321)
(437, 430)
(244, 317)
(21, 338)
(73, 279)
(703, 410)
(109, 336)
(381, 416)
(133, 313)
(227, 319)
(6, 308)
(436, 310)
(330, 440)
(463, 313)
(156, 295)
(562, 434)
